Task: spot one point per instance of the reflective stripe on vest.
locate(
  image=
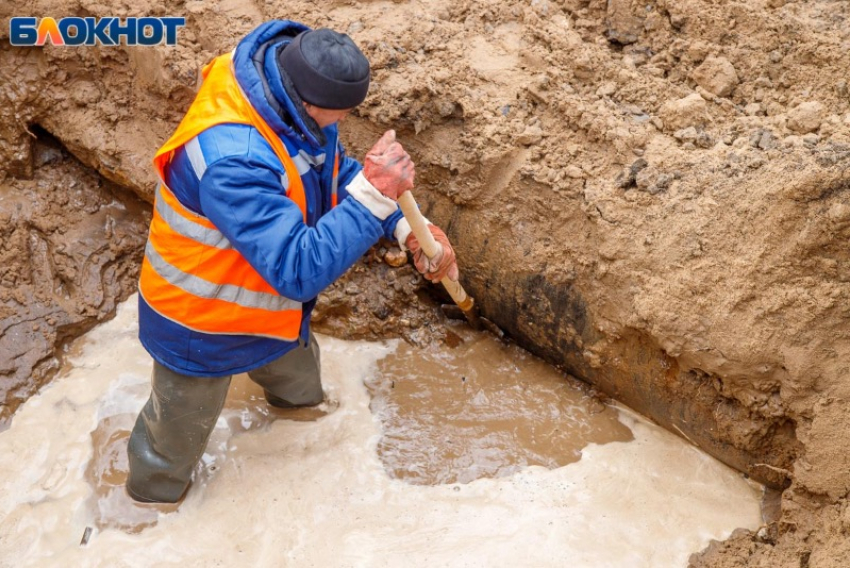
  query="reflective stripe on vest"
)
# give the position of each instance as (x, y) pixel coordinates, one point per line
(191, 274)
(334, 182)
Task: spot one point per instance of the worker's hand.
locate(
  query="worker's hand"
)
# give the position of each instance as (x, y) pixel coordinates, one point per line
(443, 264)
(388, 167)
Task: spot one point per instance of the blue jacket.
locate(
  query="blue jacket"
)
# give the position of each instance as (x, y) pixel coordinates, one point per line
(230, 175)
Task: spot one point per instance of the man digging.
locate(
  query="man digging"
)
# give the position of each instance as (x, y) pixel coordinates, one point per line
(257, 211)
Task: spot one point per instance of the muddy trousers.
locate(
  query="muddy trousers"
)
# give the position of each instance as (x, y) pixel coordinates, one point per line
(172, 430)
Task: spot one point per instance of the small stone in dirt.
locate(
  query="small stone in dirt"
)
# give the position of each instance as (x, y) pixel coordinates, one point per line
(717, 76)
(754, 138)
(382, 312)
(445, 108)
(806, 117)
(623, 26)
(811, 139)
(540, 6)
(645, 178)
(753, 109)
(574, 172)
(531, 135)
(688, 134)
(607, 89)
(662, 183)
(352, 289)
(681, 113)
(704, 140)
(767, 141)
(628, 177)
(792, 141)
(395, 258)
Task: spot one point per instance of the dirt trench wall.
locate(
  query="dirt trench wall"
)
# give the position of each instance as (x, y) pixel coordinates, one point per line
(651, 195)
(70, 249)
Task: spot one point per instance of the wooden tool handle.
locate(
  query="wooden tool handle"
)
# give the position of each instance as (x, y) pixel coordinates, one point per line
(431, 248)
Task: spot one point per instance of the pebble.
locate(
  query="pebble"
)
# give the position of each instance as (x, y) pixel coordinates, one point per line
(607, 89)
(627, 178)
(662, 183)
(352, 289)
(685, 112)
(395, 258)
(574, 172)
(792, 141)
(645, 178)
(806, 117)
(704, 140)
(716, 75)
(688, 134)
(531, 135)
(766, 141)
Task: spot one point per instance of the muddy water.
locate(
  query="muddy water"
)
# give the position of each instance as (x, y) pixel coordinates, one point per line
(481, 409)
(277, 489)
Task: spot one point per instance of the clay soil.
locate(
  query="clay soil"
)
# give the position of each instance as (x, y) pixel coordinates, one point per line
(649, 195)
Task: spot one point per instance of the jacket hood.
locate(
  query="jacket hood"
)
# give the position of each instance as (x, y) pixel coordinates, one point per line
(270, 93)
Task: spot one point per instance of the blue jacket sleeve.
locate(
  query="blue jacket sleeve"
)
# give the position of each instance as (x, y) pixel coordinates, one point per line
(245, 199)
(348, 168)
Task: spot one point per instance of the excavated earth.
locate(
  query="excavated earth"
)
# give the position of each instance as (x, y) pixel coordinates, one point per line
(650, 195)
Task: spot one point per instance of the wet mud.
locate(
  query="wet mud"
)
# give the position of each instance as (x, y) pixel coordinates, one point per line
(70, 247)
(314, 489)
(481, 408)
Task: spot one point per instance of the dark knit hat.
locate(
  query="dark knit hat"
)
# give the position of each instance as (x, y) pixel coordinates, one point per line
(327, 69)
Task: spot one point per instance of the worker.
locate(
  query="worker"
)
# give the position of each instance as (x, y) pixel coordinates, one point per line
(258, 210)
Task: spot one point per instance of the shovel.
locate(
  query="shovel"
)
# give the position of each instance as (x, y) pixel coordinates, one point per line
(431, 248)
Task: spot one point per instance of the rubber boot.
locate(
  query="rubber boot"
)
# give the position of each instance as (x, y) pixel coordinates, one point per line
(171, 433)
(293, 380)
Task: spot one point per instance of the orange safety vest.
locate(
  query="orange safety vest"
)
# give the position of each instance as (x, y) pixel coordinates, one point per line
(191, 274)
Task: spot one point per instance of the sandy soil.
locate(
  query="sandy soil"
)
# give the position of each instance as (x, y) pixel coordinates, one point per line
(649, 195)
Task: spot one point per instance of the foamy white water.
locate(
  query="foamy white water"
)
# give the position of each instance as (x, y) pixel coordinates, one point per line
(289, 493)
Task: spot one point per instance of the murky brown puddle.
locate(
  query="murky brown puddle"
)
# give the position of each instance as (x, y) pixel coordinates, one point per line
(481, 409)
